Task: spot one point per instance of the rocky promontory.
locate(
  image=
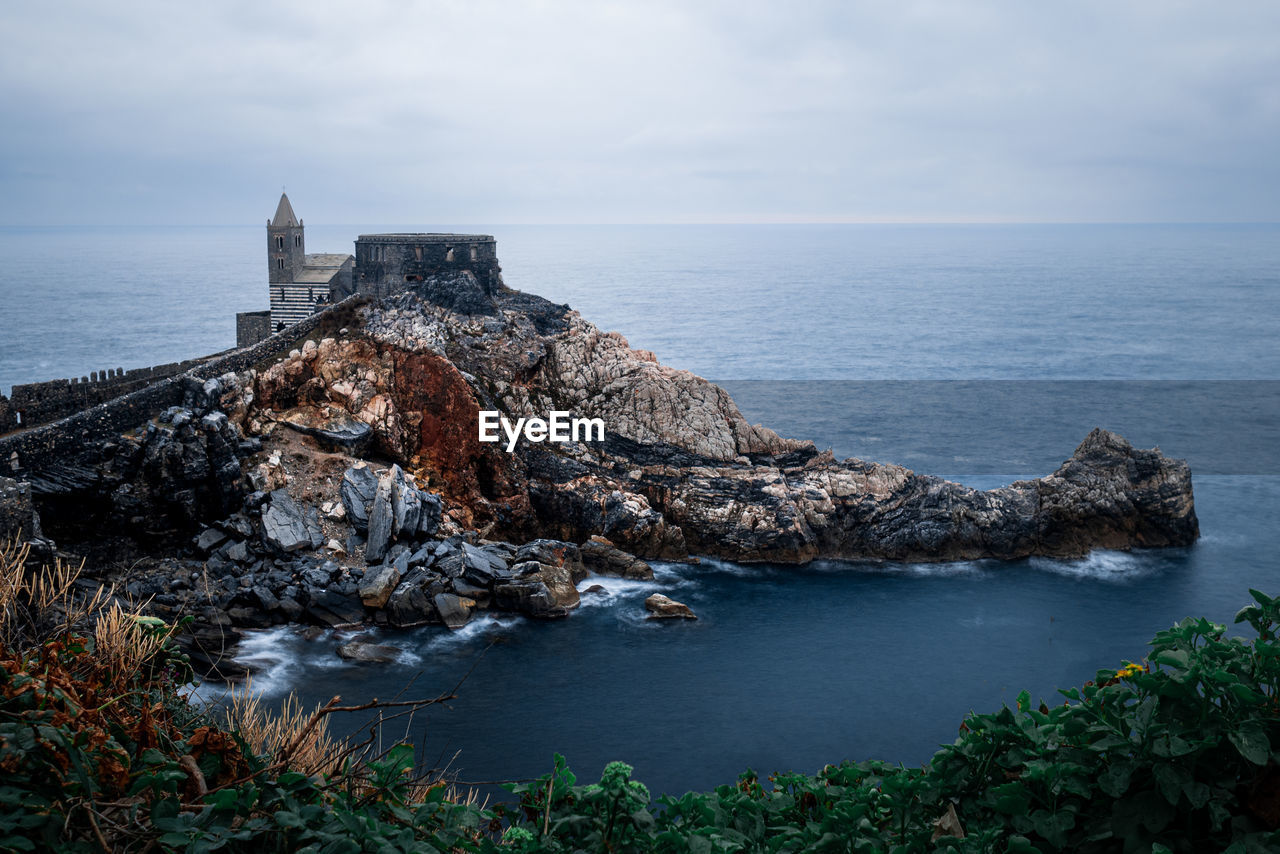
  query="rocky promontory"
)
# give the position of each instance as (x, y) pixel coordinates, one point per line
(346, 482)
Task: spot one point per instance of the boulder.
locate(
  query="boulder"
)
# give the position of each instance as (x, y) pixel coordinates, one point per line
(332, 608)
(359, 485)
(359, 650)
(454, 610)
(662, 608)
(378, 585)
(411, 602)
(285, 526)
(600, 556)
(531, 598)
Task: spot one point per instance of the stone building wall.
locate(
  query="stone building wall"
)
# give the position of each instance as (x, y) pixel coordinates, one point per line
(386, 263)
(252, 327)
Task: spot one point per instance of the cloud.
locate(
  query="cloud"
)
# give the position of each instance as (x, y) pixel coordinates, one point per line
(488, 112)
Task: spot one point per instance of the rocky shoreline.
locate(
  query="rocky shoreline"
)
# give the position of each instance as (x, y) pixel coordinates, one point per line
(345, 483)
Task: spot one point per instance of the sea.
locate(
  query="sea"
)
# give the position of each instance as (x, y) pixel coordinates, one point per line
(981, 353)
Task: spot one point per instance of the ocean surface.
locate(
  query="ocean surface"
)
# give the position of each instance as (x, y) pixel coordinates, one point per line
(982, 353)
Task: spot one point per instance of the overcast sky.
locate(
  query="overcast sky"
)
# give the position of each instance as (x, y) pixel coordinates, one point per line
(395, 111)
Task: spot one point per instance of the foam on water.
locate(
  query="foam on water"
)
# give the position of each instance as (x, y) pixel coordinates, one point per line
(1102, 565)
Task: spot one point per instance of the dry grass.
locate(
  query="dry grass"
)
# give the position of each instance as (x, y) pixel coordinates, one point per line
(315, 752)
(123, 644)
(41, 605)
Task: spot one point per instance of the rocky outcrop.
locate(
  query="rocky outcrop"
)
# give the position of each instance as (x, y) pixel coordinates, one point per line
(257, 479)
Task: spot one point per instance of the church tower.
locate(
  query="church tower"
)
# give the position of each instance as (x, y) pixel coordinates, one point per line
(286, 248)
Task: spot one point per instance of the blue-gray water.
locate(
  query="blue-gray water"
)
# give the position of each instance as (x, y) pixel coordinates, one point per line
(810, 327)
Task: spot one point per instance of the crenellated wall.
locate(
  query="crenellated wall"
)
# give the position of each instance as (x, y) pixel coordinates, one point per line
(62, 440)
(42, 402)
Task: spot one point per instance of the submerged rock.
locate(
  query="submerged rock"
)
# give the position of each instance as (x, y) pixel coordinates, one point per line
(358, 650)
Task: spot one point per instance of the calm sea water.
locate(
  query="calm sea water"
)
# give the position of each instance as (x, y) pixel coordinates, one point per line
(1017, 340)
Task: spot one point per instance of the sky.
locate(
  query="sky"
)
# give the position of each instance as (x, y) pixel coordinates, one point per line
(479, 112)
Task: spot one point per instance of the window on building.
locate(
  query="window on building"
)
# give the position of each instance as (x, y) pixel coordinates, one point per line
(279, 241)
(417, 253)
(297, 240)
(448, 256)
(279, 263)
(473, 253)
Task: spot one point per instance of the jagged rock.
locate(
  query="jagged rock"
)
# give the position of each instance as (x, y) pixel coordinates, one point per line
(210, 539)
(406, 507)
(662, 608)
(335, 609)
(603, 558)
(290, 608)
(528, 597)
(376, 653)
(378, 586)
(381, 521)
(554, 553)
(429, 517)
(411, 603)
(464, 588)
(454, 610)
(286, 527)
(266, 599)
(334, 429)
(359, 486)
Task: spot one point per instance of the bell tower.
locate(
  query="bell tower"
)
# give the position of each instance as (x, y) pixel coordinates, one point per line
(286, 248)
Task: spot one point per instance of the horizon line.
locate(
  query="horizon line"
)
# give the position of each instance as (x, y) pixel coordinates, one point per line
(797, 222)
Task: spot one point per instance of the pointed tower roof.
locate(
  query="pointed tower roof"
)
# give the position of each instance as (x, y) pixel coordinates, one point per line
(284, 213)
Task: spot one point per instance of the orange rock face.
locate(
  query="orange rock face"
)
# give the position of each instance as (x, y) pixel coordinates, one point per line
(424, 416)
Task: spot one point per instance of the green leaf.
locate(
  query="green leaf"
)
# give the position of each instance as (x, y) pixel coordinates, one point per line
(1252, 742)
(1114, 782)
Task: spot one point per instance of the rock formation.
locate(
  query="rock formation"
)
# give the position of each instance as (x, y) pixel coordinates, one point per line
(346, 483)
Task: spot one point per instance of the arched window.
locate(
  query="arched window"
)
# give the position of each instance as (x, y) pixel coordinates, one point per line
(448, 256)
(279, 241)
(297, 240)
(279, 263)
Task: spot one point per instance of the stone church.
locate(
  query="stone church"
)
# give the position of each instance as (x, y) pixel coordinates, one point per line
(301, 284)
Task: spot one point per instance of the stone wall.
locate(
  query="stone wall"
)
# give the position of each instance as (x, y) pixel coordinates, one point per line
(385, 263)
(8, 418)
(42, 402)
(64, 440)
(252, 327)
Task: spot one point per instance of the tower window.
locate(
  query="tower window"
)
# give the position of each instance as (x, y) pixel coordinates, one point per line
(417, 253)
(448, 256)
(473, 253)
(279, 241)
(279, 263)
(297, 240)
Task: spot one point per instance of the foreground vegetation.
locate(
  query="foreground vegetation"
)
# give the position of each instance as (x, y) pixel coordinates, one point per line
(99, 751)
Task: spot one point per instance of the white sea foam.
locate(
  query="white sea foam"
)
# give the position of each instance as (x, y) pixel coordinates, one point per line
(1101, 565)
